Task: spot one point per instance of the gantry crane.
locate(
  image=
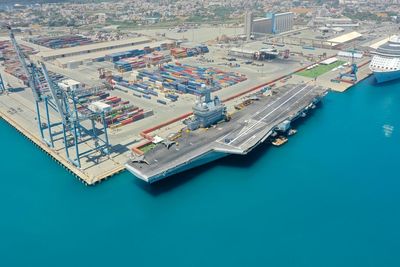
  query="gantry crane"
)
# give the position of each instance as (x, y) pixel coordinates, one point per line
(2, 86)
(352, 74)
(65, 105)
(72, 122)
(37, 88)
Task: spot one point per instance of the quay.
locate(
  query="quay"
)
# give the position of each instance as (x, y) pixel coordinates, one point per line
(23, 120)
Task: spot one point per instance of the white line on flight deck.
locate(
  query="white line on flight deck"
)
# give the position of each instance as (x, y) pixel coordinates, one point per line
(251, 127)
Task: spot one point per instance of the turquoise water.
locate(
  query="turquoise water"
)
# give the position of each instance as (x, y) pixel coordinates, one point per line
(330, 197)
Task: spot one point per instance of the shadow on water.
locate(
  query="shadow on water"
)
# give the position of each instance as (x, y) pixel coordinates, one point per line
(389, 84)
(174, 181)
(232, 161)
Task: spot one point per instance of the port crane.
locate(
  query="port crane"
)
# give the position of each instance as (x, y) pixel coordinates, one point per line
(32, 73)
(50, 96)
(352, 74)
(74, 131)
(2, 86)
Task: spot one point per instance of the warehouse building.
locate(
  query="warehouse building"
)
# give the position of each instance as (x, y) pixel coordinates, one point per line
(91, 48)
(86, 59)
(271, 24)
(242, 52)
(339, 41)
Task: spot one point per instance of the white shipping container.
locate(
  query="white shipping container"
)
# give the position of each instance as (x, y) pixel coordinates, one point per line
(99, 107)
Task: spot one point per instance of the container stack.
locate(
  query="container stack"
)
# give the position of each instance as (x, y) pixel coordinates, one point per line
(189, 79)
(189, 51)
(179, 52)
(123, 113)
(120, 113)
(144, 88)
(61, 41)
(156, 58)
(11, 62)
(166, 46)
(129, 64)
(89, 98)
(181, 79)
(117, 56)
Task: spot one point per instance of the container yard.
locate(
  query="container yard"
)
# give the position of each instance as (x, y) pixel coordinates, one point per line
(118, 112)
(61, 41)
(123, 112)
(181, 79)
(182, 52)
(76, 57)
(137, 59)
(11, 62)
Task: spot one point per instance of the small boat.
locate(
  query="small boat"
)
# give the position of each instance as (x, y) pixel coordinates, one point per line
(292, 132)
(279, 141)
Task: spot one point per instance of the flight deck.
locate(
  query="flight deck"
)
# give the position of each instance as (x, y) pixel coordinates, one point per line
(246, 129)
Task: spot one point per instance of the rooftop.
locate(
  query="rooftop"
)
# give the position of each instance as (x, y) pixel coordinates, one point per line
(90, 47)
(89, 56)
(70, 82)
(345, 37)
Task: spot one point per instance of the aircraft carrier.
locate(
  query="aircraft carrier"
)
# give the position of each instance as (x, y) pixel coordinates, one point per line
(246, 129)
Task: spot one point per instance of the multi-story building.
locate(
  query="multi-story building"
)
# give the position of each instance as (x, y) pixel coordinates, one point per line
(282, 22)
(271, 24)
(248, 22)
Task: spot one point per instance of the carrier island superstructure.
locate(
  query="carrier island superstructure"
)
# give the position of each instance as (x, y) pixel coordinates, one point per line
(238, 134)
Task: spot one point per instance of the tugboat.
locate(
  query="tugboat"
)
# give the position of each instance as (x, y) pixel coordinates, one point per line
(292, 132)
(279, 141)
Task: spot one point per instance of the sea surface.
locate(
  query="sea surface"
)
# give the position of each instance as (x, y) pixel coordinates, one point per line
(329, 197)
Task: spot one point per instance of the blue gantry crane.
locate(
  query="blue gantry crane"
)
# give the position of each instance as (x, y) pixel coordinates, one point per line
(50, 96)
(2, 86)
(352, 74)
(32, 74)
(77, 127)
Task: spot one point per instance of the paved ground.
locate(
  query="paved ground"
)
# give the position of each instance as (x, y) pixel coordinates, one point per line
(19, 108)
(199, 35)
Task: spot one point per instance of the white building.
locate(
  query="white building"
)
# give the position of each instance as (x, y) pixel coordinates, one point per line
(248, 24)
(262, 26)
(275, 23)
(69, 85)
(283, 22)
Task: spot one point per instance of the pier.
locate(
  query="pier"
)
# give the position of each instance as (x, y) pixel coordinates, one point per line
(21, 117)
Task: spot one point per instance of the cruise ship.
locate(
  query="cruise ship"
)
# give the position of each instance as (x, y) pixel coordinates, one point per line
(386, 62)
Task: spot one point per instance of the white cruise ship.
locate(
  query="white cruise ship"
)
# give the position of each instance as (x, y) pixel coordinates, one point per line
(386, 62)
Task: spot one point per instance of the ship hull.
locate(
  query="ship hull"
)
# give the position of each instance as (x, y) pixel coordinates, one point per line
(201, 160)
(387, 76)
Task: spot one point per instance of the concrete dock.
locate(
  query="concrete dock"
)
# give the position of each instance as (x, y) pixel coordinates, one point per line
(18, 111)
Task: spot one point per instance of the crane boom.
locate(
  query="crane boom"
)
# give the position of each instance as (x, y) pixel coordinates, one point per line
(25, 66)
(2, 86)
(56, 95)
